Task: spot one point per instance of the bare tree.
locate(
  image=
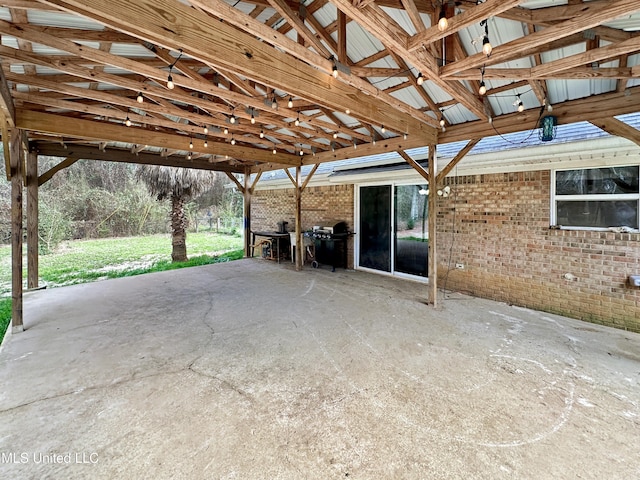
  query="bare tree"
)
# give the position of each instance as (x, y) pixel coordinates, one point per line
(180, 185)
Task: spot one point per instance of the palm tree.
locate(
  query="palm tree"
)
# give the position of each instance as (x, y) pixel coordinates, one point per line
(179, 184)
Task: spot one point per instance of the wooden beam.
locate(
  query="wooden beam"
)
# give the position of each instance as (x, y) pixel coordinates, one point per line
(461, 21)
(386, 145)
(298, 220)
(233, 178)
(595, 55)
(613, 126)
(309, 176)
(459, 156)
(32, 220)
(16, 158)
(101, 131)
(255, 181)
(342, 37)
(416, 166)
(590, 108)
(48, 175)
(576, 73)
(375, 20)
(175, 25)
(108, 154)
(7, 108)
(591, 16)
(432, 257)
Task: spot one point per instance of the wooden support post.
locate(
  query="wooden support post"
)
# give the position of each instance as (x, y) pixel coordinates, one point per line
(247, 213)
(16, 160)
(32, 220)
(432, 256)
(299, 243)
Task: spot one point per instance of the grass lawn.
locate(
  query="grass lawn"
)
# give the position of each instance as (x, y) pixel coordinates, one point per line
(82, 261)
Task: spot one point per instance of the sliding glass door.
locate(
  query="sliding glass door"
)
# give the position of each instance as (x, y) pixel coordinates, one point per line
(393, 233)
(375, 227)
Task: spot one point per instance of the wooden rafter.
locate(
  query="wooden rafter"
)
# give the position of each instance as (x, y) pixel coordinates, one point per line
(618, 128)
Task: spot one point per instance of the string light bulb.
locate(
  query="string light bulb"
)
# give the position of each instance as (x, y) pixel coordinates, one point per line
(170, 84)
(140, 98)
(189, 156)
(127, 121)
(233, 141)
(405, 135)
(520, 104)
(205, 130)
(261, 133)
(382, 129)
(420, 79)
(274, 102)
(335, 134)
(347, 111)
(290, 102)
(443, 23)
(226, 131)
(297, 122)
(232, 119)
(206, 143)
(334, 71)
(253, 119)
(190, 144)
(486, 46)
(274, 150)
(483, 88)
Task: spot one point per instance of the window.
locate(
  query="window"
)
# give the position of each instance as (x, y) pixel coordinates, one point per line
(598, 198)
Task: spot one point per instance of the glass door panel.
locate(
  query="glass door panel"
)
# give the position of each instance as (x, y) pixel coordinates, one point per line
(410, 229)
(375, 227)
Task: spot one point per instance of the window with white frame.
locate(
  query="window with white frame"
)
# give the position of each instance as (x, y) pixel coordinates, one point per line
(597, 198)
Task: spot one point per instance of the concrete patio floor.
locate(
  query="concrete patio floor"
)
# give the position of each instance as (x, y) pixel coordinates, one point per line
(250, 370)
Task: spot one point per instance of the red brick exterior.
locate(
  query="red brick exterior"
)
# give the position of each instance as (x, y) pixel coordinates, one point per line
(500, 233)
(322, 206)
(497, 226)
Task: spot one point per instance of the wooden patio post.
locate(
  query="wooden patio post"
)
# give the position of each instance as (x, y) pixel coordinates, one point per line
(15, 159)
(247, 213)
(32, 220)
(299, 245)
(432, 255)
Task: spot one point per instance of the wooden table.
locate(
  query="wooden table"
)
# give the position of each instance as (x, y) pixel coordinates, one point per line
(275, 237)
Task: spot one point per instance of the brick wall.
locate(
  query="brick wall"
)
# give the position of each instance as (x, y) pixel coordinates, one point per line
(323, 206)
(500, 233)
(499, 226)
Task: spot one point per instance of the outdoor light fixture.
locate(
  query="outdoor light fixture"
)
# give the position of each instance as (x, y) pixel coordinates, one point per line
(443, 23)
(170, 84)
(140, 98)
(226, 131)
(233, 141)
(519, 104)
(420, 79)
(405, 135)
(347, 111)
(483, 88)
(253, 119)
(297, 122)
(127, 122)
(290, 102)
(335, 134)
(274, 102)
(232, 119)
(486, 44)
(382, 129)
(548, 128)
(190, 143)
(334, 71)
(189, 156)
(274, 150)
(205, 130)
(261, 133)
(206, 144)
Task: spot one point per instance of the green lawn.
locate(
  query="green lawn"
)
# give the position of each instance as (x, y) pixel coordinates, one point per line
(82, 261)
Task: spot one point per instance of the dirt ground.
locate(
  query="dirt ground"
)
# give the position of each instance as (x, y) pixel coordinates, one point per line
(250, 370)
